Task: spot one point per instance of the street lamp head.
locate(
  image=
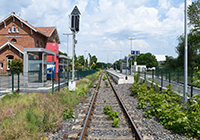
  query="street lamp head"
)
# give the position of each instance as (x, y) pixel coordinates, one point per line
(131, 38)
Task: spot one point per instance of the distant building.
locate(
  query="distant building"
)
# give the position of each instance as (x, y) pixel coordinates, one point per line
(17, 34)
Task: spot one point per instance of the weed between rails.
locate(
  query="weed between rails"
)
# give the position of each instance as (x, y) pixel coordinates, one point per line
(112, 115)
(167, 107)
(30, 116)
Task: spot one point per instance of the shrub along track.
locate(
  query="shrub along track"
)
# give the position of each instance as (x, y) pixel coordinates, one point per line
(149, 128)
(96, 125)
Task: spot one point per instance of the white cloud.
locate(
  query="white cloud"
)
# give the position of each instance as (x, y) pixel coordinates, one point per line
(164, 4)
(106, 24)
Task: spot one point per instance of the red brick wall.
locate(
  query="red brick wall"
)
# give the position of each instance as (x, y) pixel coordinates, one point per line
(24, 38)
(6, 52)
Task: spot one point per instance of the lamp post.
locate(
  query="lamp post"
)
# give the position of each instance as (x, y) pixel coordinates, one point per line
(185, 56)
(131, 38)
(68, 55)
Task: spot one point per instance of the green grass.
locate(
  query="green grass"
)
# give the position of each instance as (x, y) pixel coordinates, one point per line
(28, 116)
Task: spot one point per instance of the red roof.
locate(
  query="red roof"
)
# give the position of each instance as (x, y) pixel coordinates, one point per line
(47, 31)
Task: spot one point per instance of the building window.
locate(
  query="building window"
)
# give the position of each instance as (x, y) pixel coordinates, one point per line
(14, 41)
(1, 65)
(9, 30)
(13, 28)
(36, 44)
(17, 29)
(40, 44)
(9, 60)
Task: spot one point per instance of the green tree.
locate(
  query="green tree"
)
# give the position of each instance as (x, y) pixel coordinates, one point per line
(94, 59)
(100, 65)
(147, 59)
(170, 63)
(193, 50)
(16, 65)
(193, 14)
(81, 59)
(61, 53)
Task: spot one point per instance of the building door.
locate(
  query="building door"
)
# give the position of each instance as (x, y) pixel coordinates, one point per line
(9, 60)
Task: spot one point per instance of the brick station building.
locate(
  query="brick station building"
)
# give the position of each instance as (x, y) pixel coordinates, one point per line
(17, 34)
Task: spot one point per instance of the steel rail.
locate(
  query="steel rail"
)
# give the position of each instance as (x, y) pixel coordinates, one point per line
(89, 112)
(134, 128)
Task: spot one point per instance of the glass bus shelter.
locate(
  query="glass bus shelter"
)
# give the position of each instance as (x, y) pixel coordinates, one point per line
(35, 66)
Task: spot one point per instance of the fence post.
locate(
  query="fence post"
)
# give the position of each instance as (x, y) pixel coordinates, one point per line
(178, 77)
(139, 71)
(12, 73)
(161, 79)
(52, 78)
(18, 80)
(192, 84)
(59, 80)
(169, 77)
(166, 73)
(144, 75)
(152, 76)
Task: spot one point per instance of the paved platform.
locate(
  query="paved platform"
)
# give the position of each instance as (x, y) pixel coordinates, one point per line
(120, 78)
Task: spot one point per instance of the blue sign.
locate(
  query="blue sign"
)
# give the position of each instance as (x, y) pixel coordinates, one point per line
(135, 52)
(132, 52)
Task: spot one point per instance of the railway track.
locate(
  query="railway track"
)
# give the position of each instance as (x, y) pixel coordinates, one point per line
(96, 126)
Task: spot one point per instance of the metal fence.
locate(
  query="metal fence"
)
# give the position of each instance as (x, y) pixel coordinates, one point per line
(34, 82)
(173, 77)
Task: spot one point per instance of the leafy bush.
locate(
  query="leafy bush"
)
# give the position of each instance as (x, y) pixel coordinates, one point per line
(167, 107)
(112, 115)
(104, 78)
(68, 114)
(107, 109)
(106, 83)
(16, 65)
(116, 122)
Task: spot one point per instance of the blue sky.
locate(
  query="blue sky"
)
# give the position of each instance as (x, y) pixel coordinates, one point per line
(106, 24)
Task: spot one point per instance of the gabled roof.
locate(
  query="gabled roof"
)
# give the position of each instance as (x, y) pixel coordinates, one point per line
(23, 21)
(45, 31)
(48, 31)
(16, 46)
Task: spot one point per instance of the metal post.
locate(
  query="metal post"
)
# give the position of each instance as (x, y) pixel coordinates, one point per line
(192, 84)
(161, 79)
(73, 58)
(18, 80)
(59, 80)
(67, 72)
(52, 78)
(12, 72)
(185, 56)
(152, 76)
(178, 77)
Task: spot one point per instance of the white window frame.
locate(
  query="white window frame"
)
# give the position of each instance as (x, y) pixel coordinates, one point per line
(17, 29)
(9, 30)
(13, 29)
